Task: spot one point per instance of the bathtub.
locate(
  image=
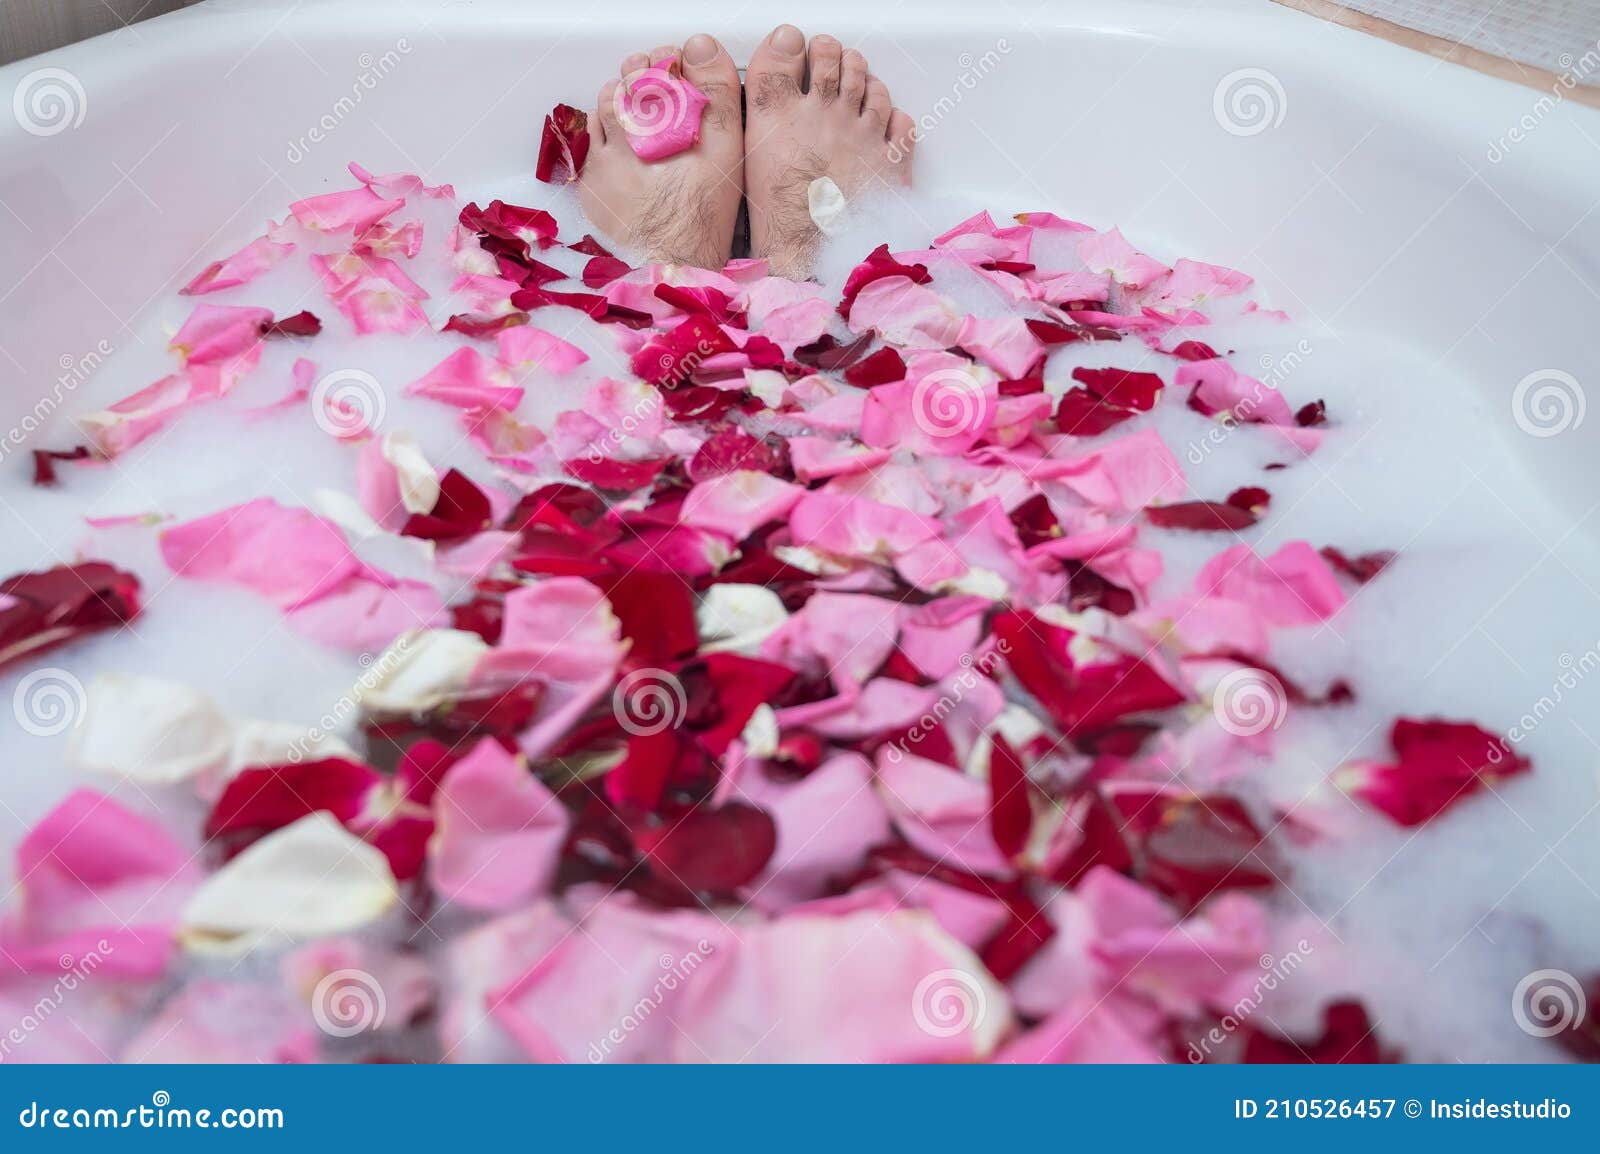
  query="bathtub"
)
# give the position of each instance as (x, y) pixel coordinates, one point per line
(1365, 186)
(1446, 211)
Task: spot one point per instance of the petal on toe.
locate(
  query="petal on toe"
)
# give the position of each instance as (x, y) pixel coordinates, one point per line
(660, 110)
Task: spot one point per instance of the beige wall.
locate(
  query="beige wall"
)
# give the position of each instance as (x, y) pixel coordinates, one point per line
(30, 26)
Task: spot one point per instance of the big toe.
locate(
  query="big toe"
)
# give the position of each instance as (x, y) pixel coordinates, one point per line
(707, 65)
(778, 68)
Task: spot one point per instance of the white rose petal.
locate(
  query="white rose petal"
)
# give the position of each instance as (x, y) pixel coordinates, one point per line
(826, 203)
(760, 734)
(418, 480)
(738, 617)
(149, 730)
(422, 669)
(306, 880)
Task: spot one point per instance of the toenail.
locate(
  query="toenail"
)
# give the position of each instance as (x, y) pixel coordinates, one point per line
(788, 40)
(699, 49)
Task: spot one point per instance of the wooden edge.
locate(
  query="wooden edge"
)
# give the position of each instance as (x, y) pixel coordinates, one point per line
(1448, 50)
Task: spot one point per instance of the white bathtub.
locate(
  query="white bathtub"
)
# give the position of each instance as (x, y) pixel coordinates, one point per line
(1369, 189)
(1395, 193)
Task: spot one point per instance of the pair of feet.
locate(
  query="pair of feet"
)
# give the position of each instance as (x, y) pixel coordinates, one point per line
(810, 110)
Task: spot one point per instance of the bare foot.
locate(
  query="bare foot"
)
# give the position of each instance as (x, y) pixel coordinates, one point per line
(813, 112)
(682, 208)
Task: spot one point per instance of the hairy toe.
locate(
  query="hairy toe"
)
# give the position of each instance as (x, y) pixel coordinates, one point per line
(777, 69)
(852, 79)
(606, 110)
(876, 104)
(707, 65)
(826, 55)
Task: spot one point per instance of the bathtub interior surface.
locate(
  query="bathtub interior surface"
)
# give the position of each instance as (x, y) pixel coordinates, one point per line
(1383, 192)
(1373, 205)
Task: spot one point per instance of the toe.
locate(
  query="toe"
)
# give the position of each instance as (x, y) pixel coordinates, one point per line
(826, 62)
(634, 62)
(662, 53)
(777, 68)
(876, 104)
(707, 65)
(852, 79)
(902, 135)
(606, 111)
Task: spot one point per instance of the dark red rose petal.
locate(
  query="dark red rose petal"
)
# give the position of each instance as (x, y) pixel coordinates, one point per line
(730, 450)
(656, 611)
(878, 265)
(1361, 568)
(1311, 414)
(270, 797)
(1250, 497)
(616, 476)
(49, 608)
(1186, 846)
(302, 324)
(740, 684)
(588, 246)
(1348, 1038)
(883, 367)
(602, 270)
(1438, 763)
(1055, 333)
(1010, 812)
(1200, 515)
(44, 463)
(1026, 932)
(472, 325)
(1081, 413)
(462, 510)
(1079, 700)
(563, 146)
(1122, 388)
(1194, 351)
(640, 779)
(828, 355)
(709, 850)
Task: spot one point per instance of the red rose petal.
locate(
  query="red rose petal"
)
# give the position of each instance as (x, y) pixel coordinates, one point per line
(49, 608)
(1348, 1038)
(1361, 568)
(563, 146)
(709, 850)
(883, 367)
(44, 463)
(1010, 812)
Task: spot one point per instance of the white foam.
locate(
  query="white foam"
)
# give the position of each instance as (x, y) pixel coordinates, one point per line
(1492, 590)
